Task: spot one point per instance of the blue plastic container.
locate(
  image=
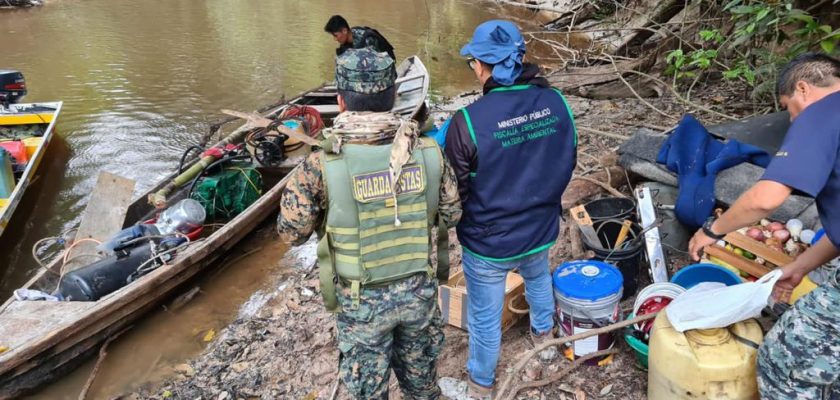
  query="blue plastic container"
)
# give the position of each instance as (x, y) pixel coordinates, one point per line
(694, 274)
(587, 296)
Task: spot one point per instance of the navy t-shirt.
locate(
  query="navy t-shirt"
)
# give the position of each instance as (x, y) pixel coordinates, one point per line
(809, 160)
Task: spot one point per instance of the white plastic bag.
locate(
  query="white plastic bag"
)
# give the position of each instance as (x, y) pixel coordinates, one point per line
(707, 306)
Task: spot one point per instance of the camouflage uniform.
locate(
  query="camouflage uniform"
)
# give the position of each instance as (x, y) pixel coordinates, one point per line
(364, 71)
(364, 36)
(800, 356)
(396, 325)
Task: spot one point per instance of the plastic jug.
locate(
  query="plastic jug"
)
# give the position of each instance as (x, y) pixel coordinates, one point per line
(7, 175)
(703, 363)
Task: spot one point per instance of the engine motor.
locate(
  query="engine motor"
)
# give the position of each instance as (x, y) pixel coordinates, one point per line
(12, 87)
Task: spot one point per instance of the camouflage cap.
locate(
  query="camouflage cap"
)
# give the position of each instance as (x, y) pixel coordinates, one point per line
(364, 71)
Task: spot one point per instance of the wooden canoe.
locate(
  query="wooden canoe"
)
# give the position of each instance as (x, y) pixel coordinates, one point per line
(45, 340)
(33, 126)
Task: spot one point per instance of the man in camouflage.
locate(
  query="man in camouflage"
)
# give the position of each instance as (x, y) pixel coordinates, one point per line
(356, 37)
(400, 184)
(800, 356)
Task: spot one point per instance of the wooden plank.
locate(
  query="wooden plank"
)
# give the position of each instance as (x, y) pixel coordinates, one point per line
(24, 321)
(755, 269)
(103, 217)
(759, 249)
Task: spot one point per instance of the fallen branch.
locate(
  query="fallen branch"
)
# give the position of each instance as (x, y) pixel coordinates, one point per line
(680, 98)
(103, 351)
(601, 133)
(568, 80)
(562, 341)
(633, 90)
(559, 375)
(603, 185)
(536, 7)
(335, 387)
(581, 189)
(636, 124)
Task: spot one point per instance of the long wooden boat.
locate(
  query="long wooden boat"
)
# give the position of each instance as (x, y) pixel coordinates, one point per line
(29, 128)
(46, 339)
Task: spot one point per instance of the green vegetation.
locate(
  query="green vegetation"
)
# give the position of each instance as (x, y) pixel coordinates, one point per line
(756, 38)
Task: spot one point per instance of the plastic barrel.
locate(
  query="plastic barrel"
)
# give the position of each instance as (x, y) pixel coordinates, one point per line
(587, 295)
(611, 208)
(626, 258)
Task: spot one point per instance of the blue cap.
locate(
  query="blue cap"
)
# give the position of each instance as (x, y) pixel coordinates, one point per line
(498, 43)
(587, 280)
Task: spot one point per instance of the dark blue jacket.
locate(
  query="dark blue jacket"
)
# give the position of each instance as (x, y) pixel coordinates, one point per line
(513, 152)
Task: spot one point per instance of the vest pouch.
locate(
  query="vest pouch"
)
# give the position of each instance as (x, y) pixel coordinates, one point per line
(327, 275)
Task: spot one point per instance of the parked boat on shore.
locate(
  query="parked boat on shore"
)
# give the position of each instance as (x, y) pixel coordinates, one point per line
(26, 130)
(42, 340)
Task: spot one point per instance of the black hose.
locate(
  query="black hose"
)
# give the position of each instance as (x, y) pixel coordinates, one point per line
(184, 157)
(215, 163)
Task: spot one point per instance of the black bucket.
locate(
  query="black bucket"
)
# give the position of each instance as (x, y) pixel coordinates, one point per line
(626, 259)
(611, 208)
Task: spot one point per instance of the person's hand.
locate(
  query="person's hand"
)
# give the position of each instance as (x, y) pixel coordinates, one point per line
(698, 242)
(792, 275)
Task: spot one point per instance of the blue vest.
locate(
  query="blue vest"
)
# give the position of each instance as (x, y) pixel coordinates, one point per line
(526, 142)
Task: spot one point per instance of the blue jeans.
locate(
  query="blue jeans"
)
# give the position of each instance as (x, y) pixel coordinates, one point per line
(486, 294)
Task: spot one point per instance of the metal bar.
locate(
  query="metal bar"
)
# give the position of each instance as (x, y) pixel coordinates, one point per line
(653, 242)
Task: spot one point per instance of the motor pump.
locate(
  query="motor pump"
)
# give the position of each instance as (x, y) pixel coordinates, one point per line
(270, 147)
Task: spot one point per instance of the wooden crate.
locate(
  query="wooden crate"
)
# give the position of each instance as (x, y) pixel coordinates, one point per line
(772, 257)
(452, 298)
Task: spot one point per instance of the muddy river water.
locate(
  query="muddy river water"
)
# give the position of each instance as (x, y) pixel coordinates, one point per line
(143, 80)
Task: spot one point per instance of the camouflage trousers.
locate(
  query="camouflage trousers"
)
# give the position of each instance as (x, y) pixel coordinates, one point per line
(800, 356)
(395, 326)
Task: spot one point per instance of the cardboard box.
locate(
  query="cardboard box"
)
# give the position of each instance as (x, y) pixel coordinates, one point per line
(453, 298)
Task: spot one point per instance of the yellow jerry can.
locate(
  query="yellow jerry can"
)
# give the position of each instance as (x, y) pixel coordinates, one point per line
(708, 364)
(804, 287)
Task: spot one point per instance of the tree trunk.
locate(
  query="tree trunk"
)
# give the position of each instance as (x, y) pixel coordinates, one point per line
(646, 18)
(575, 78)
(579, 190)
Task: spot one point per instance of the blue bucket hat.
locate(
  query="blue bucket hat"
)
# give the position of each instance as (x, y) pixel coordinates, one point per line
(500, 44)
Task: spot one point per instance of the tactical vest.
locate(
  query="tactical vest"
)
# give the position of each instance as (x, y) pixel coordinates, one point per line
(526, 142)
(362, 243)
